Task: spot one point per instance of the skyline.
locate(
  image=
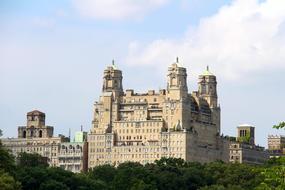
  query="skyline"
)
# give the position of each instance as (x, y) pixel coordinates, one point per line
(53, 55)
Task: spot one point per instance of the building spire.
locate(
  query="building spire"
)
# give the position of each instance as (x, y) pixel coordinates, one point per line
(69, 134)
(113, 64)
(207, 72)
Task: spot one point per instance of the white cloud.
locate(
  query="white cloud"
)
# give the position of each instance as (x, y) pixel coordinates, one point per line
(116, 9)
(241, 38)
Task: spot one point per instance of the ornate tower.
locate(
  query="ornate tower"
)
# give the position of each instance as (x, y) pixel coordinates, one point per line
(177, 82)
(35, 119)
(177, 105)
(208, 88)
(208, 92)
(36, 127)
(106, 110)
(112, 81)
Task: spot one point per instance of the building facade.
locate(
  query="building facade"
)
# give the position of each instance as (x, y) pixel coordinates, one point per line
(73, 155)
(144, 127)
(36, 137)
(276, 145)
(244, 150)
(247, 153)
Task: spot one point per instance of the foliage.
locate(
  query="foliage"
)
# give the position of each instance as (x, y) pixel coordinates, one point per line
(7, 182)
(244, 139)
(165, 174)
(6, 160)
(281, 125)
(53, 185)
(274, 175)
(221, 187)
(31, 160)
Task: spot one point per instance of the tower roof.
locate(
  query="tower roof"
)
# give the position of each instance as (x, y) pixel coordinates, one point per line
(245, 125)
(207, 72)
(35, 112)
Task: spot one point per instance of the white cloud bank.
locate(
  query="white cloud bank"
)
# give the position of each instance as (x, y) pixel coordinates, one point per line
(116, 9)
(241, 38)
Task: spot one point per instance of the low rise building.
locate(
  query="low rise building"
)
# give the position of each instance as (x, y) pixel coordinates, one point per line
(73, 155)
(276, 145)
(36, 137)
(247, 153)
(244, 150)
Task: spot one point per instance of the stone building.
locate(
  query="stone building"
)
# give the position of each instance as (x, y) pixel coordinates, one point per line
(36, 137)
(245, 133)
(144, 127)
(276, 145)
(73, 155)
(244, 150)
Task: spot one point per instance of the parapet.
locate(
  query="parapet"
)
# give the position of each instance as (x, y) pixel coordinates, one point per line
(129, 92)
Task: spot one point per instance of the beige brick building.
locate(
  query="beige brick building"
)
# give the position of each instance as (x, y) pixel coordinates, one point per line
(247, 153)
(276, 145)
(244, 150)
(36, 137)
(144, 127)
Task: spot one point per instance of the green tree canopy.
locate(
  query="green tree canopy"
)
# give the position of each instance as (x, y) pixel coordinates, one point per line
(7, 182)
(31, 160)
(7, 162)
(281, 125)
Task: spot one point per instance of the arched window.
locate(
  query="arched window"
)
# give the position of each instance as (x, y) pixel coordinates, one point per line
(24, 134)
(40, 134)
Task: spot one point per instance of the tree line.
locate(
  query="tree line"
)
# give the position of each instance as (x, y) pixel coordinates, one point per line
(31, 172)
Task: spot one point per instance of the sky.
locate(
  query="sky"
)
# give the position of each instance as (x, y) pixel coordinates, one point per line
(53, 54)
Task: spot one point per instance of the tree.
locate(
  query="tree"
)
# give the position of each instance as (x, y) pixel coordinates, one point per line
(177, 162)
(243, 175)
(281, 125)
(1, 133)
(221, 187)
(130, 173)
(31, 160)
(141, 185)
(7, 182)
(105, 173)
(31, 177)
(53, 185)
(7, 162)
(274, 175)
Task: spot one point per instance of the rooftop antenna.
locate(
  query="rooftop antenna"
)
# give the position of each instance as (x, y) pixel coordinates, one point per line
(207, 67)
(177, 60)
(81, 128)
(69, 134)
(113, 62)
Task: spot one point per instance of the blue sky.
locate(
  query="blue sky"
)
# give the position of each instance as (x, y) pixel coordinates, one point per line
(53, 53)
